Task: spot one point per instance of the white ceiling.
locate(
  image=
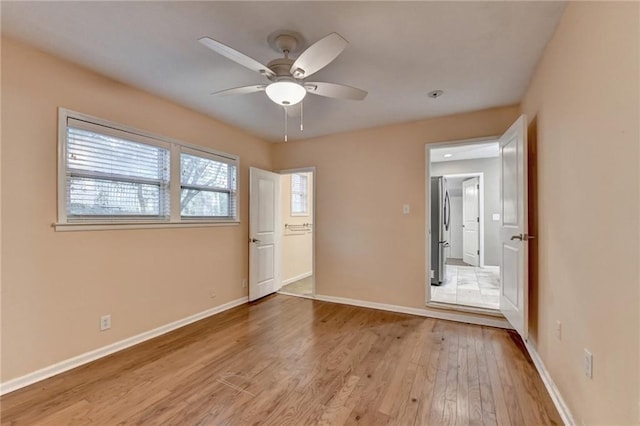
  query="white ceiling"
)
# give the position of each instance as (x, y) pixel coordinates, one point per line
(464, 152)
(482, 54)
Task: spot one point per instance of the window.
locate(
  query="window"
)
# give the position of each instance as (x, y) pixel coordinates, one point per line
(299, 195)
(111, 175)
(208, 186)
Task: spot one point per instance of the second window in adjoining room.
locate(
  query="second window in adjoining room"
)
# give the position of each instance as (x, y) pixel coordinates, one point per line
(299, 195)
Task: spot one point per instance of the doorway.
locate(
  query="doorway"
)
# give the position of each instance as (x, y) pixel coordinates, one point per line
(464, 224)
(297, 232)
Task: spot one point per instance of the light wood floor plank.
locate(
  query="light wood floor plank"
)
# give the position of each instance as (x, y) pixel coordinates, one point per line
(475, 399)
(292, 361)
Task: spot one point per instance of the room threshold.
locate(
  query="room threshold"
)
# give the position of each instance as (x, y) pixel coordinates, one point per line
(304, 296)
(464, 308)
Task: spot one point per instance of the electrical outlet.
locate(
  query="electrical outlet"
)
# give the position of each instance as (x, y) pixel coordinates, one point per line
(406, 209)
(105, 322)
(244, 283)
(558, 330)
(213, 294)
(588, 364)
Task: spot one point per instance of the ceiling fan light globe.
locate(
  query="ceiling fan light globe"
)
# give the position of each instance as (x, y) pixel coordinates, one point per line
(285, 93)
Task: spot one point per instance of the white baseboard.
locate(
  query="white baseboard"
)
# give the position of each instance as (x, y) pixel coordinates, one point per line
(431, 313)
(297, 278)
(68, 364)
(556, 397)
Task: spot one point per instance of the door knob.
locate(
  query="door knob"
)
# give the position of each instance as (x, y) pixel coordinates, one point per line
(254, 240)
(516, 237)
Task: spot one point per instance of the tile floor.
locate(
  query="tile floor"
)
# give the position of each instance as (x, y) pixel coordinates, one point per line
(470, 286)
(303, 286)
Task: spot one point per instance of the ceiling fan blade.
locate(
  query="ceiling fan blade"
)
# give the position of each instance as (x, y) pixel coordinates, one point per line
(318, 55)
(244, 90)
(234, 55)
(335, 90)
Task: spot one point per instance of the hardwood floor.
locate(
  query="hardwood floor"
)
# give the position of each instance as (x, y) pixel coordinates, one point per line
(288, 360)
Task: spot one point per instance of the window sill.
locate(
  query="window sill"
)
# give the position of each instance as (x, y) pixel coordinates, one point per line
(97, 226)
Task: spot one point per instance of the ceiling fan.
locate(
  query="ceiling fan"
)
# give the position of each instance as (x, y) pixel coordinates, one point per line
(288, 77)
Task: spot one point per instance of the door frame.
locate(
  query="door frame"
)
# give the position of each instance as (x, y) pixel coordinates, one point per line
(427, 180)
(312, 170)
(480, 176)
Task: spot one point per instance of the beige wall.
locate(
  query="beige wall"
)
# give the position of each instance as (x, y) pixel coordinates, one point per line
(583, 106)
(365, 247)
(57, 284)
(297, 245)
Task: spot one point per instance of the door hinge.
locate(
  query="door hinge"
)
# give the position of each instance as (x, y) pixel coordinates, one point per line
(478, 186)
(478, 251)
(478, 219)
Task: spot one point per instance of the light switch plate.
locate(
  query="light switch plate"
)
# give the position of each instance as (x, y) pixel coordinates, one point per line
(406, 209)
(496, 217)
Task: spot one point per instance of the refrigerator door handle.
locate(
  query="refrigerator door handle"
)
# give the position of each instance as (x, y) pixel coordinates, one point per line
(447, 211)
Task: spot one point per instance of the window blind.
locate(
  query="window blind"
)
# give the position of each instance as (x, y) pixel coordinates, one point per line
(208, 186)
(114, 176)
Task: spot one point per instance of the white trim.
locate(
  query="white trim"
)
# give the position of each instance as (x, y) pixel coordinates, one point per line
(175, 184)
(465, 308)
(553, 390)
(470, 141)
(68, 364)
(451, 316)
(66, 227)
(296, 278)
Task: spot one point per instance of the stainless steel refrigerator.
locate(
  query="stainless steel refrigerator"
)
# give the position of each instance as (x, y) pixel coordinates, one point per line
(440, 220)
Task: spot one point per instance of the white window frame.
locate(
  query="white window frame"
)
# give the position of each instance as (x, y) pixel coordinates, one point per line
(207, 155)
(306, 195)
(175, 147)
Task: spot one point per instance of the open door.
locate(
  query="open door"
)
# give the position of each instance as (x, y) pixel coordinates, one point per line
(264, 243)
(514, 286)
(471, 221)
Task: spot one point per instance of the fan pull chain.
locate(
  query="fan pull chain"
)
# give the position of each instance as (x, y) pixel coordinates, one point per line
(285, 123)
(301, 116)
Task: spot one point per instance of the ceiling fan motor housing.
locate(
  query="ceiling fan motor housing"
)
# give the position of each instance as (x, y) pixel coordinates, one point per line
(281, 67)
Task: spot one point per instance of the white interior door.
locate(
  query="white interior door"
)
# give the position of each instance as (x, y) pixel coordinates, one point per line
(471, 221)
(514, 286)
(264, 241)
